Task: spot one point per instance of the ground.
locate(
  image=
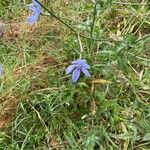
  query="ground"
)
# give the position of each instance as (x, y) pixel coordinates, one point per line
(40, 107)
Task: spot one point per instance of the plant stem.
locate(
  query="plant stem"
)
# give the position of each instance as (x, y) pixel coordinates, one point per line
(52, 14)
(94, 18)
(81, 48)
(71, 28)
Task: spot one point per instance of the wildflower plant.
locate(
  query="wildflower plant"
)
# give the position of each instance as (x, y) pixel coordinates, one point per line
(77, 66)
(48, 113)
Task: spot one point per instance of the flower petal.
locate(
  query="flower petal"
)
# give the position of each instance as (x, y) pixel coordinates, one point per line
(1, 70)
(32, 8)
(37, 5)
(75, 75)
(86, 66)
(79, 61)
(36, 10)
(85, 72)
(70, 69)
(32, 19)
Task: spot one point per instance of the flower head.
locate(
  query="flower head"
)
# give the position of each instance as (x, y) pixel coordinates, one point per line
(77, 67)
(35, 8)
(1, 70)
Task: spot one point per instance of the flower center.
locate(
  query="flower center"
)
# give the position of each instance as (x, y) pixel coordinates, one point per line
(79, 66)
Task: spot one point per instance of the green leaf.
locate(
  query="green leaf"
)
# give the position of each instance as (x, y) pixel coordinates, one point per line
(146, 137)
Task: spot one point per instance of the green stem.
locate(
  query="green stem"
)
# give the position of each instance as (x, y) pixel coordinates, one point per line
(80, 44)
(52, 14)
(94, 18)
(71, 28)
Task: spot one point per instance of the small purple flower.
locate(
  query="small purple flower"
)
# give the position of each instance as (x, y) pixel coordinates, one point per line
(36, 10)
(1, 70)
(77, 67)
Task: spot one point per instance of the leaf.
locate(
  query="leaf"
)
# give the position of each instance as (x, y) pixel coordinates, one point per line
(83, 84)
(122, 136)
(146, 137)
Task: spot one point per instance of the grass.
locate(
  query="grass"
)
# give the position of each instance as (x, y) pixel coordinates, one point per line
(40, 108)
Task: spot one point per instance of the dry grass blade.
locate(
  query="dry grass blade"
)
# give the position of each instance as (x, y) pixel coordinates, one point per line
(101, 81)
(8, 108)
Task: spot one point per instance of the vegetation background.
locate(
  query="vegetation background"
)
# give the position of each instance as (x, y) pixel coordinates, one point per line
(41, 109)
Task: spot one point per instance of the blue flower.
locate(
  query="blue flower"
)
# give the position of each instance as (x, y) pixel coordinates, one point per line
(76, 68)
(1, 70)
(36, 10)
